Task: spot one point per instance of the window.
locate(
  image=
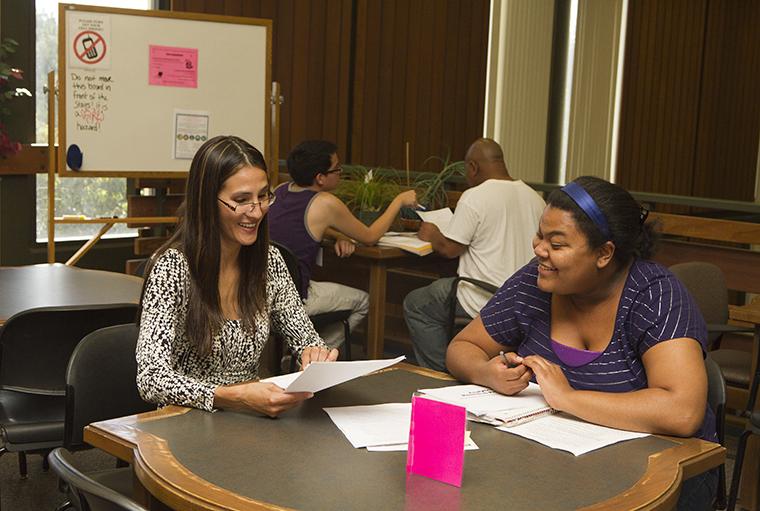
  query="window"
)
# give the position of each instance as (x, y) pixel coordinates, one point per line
(98, 197)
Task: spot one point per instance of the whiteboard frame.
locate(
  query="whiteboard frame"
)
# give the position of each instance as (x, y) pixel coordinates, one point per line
(62, 169)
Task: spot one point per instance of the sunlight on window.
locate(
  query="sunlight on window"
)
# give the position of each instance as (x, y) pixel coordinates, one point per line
(96, 197)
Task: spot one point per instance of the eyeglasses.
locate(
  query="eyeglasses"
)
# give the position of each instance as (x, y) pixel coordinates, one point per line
(263, 203)
(332, 171)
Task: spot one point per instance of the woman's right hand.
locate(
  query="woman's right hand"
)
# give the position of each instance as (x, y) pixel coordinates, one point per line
(265, 398)
(507, 380)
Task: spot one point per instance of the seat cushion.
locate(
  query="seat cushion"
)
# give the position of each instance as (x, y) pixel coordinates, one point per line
(28, 419)
(735, 365)
(118, 479)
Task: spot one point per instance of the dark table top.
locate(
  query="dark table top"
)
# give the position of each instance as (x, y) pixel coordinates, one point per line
(47, 285)
(302, 461)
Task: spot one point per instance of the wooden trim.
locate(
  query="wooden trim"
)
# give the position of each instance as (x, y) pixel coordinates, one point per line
(708, 228)
(32, 159)
(172, 483)
(659, 486)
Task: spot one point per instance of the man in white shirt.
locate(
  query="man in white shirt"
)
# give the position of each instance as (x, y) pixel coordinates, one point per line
(491, 232)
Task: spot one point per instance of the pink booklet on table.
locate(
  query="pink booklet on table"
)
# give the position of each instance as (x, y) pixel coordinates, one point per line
(436, 440)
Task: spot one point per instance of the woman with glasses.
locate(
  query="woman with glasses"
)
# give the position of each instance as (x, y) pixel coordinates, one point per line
(611, 337)
(215, 289)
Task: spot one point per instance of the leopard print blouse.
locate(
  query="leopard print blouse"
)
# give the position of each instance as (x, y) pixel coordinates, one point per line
(169, 369)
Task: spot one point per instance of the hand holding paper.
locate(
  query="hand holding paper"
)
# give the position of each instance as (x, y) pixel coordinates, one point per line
(321, 375)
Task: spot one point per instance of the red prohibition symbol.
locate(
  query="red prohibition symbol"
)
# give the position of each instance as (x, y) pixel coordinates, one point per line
(89, 47)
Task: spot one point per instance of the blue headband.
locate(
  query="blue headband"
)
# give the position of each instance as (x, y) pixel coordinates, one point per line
(584, 201)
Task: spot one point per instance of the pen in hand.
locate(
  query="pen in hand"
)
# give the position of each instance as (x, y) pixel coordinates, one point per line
(504, 359)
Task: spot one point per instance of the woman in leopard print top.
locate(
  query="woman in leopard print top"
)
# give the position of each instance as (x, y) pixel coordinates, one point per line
(216, 288)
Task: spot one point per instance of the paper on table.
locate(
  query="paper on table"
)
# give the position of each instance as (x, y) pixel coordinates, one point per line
(322, 375)
(384, 424)
(440, 217)
(283, 380)
(489, 406)
(570, 434)
(469, 445)
(409, 243)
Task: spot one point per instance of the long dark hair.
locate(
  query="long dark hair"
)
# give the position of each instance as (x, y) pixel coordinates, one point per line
(630, 233)
(198, 237)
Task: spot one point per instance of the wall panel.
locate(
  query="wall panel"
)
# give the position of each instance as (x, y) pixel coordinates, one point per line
(659, 120)
(419, 77)
(311, 58)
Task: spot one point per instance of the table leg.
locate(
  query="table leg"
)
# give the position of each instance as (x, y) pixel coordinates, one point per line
(376, 315)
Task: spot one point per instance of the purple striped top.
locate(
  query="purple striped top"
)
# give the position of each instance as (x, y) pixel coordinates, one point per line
(653, 308)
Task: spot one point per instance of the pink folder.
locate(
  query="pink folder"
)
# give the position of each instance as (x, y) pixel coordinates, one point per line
(436, 440)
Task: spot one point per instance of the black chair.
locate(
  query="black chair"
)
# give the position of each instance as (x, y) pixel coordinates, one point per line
(318, 320)
(716, 399)
(35, 348)
(101, 381)
(753, 428)
(87, 493)
(100, 385)
(456, 323)
(707, 285)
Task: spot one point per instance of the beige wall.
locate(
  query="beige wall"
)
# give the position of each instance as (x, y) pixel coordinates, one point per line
(518, 83)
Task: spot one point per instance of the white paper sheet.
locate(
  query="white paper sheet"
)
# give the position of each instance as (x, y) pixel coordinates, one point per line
(469, 445)
(567, 433)
(322, 375)
(487, 405)
(440, 217)
(385, 424)
(383, 427)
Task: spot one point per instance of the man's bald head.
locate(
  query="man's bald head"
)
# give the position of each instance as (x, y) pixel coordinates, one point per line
(485, 160)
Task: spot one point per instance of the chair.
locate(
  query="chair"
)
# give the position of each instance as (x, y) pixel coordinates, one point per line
(89, 494)
(716, 399)
(753, 428)
(707, 285)
(456, 323)
(322, 319)
(100, 385)
(101, 381)
(35, 346)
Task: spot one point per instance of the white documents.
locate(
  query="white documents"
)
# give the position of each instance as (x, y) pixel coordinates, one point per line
(322, 375)
(486, 405)
(384, 424)
(440, 217)
(567, 433)
(383, 427)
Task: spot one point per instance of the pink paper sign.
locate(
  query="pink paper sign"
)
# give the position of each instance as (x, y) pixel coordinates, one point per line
(436, 440)
(173, 67)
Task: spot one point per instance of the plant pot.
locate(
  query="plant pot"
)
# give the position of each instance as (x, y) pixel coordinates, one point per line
(410, 224)
(367, 217)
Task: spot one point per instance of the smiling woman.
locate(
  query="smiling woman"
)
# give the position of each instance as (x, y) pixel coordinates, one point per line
(215, 288)
(598, 326)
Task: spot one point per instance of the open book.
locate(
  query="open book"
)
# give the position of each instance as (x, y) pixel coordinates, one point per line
(409, 242)
(488, 406)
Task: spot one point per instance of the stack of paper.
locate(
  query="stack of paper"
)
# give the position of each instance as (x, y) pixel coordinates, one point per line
(410, 243)
(382, 427)
(486, 405)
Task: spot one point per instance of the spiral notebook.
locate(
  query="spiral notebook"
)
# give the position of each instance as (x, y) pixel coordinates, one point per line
(486, 405)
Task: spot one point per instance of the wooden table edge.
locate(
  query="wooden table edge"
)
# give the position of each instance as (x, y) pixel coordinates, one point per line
(174, 485)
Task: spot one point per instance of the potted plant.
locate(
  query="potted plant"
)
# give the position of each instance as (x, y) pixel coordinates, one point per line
(8, 91)
(366, 192)
(431, 190)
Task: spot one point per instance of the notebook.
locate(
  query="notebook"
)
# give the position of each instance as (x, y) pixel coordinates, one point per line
(405, 242)
(488, 406)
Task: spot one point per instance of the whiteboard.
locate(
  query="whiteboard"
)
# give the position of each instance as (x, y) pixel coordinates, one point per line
(141, 90)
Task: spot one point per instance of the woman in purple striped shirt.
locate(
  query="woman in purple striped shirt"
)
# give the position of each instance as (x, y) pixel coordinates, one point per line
(611, 337)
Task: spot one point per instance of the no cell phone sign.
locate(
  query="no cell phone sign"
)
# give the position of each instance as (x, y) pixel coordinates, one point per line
(90, 47)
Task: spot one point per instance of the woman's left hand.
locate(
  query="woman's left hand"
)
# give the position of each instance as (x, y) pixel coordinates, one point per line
(318, 354)
(344, 248)
(551, 379)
